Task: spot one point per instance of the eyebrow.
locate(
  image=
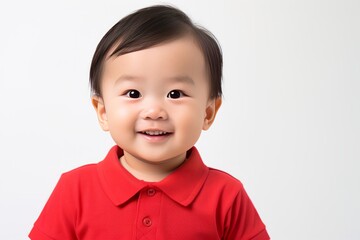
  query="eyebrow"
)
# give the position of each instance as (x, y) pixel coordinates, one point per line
(180, 78)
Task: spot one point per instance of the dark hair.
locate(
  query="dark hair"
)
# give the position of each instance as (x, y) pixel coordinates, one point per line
(151, 26)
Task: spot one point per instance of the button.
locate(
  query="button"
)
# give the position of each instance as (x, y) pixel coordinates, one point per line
(151, 192)
(147, 222)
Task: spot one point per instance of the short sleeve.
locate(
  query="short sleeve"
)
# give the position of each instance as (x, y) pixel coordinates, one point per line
(243, 222)
(57, 219)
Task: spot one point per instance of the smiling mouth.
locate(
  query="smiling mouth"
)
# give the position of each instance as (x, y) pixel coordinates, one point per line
(155, 133)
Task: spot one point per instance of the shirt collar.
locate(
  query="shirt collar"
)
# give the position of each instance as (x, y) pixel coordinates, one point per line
(182, 185)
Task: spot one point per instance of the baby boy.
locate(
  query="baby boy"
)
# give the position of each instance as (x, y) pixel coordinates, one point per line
(156, 83)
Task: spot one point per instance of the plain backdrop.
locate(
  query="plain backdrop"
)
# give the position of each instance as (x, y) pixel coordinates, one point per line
(288, 127)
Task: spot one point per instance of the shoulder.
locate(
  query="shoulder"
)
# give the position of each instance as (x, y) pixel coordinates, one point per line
(81, 171)
(224, 178)
(223, 185)
(76, 184)
(80, 175)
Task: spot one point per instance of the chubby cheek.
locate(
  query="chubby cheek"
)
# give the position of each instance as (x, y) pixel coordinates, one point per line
(190, 120)
(121, 118)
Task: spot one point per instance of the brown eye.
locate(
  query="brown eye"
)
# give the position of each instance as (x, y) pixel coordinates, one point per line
(133, 94)
(175, 94)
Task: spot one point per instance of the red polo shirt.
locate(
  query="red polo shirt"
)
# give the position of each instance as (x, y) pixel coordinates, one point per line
(104, 202)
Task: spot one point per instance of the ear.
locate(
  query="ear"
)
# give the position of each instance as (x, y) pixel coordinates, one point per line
(100, 110)
(211, 110)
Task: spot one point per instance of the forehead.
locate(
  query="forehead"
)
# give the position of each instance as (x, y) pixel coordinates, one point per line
(177, 57)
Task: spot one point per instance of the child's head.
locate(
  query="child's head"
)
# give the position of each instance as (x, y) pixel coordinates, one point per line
(156, 82)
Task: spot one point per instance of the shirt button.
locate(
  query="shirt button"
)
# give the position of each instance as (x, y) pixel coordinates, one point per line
(147, 222)
(151, 192)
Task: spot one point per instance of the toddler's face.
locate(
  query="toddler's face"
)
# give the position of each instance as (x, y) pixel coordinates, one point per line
(155, 102)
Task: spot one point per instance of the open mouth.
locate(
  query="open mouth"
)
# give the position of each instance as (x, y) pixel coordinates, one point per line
(155, 133)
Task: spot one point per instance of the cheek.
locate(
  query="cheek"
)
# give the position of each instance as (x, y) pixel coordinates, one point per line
(120, 115)
(191, 119)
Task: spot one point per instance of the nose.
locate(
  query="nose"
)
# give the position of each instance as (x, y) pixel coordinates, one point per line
(154, 110)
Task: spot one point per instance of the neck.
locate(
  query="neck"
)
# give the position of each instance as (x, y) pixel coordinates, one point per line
(150, 171)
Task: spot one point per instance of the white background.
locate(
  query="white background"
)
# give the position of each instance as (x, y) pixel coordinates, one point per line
(288, 128)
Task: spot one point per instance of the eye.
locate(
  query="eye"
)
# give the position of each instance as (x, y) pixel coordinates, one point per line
(133, 94)
(175, 94)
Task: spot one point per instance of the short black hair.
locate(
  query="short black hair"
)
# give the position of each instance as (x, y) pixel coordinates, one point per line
(148, 27)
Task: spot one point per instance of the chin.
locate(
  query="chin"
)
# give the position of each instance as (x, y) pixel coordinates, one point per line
(157, 158)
